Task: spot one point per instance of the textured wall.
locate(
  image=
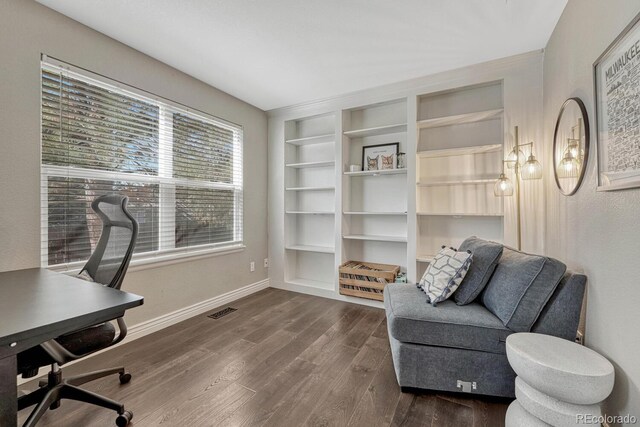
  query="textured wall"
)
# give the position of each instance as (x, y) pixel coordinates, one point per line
(28, 29)
(596, 232)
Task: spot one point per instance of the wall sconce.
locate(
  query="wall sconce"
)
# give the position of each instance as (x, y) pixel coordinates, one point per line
(526, 170)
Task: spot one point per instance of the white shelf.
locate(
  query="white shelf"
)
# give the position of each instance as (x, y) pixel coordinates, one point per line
(312, 283)
(424, 258)
(477, 149)
(378, 172)
(460, 119)
(311, 248)
(311, 164)
(378, 130)
(310, 188)
(459, 214)
(376, 213)
(308, 213)
(401, 239)
(319, 139)
(460, 182)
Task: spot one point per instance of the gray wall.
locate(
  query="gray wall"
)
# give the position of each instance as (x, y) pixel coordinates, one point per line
(597, 232)
(28, 29)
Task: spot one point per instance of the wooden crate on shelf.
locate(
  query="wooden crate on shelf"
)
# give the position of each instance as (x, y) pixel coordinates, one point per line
(366, 279)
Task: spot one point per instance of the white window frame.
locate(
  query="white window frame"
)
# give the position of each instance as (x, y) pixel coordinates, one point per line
(167, 253)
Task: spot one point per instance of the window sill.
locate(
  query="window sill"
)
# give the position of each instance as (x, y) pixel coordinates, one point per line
(160, 260)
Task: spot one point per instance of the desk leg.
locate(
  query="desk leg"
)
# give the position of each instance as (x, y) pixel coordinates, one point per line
(8, 392)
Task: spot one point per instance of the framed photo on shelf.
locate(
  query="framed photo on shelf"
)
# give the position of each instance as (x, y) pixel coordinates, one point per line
(617, 89)
(380, 157)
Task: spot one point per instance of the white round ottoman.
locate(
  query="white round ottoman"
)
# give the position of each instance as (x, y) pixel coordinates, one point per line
(559, 382)
(517, 416)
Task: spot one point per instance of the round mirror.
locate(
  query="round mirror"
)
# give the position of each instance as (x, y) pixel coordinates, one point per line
(571, 146)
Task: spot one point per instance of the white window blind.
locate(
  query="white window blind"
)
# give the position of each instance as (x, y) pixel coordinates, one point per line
(182, 169)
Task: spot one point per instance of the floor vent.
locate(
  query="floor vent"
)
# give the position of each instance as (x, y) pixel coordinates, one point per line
(221, 313)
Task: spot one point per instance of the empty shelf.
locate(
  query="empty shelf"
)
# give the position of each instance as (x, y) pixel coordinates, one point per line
(424, 258)
(460, 119)
(375, 213)
(458, 214)
(477, 149)
(311, 248)
(312, 139)
(310, 188)
(379, 130)
(311, 164)
(311, 283)
(378, 172)
(309, 213)
(401, 239)
(460, 182)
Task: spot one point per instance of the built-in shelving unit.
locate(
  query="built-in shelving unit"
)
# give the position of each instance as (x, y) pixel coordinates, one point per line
(459, 155)
(374, 224)
(310, 202)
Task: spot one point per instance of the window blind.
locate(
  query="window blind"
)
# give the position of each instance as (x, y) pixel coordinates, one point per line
(182, 169)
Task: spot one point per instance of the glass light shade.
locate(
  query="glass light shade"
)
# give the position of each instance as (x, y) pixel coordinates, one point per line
(532, 169)
(513, 157)
(569, 167)
(572, 149)
(503, 186)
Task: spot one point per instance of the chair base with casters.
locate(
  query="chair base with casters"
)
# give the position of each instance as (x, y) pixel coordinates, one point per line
(56, 388)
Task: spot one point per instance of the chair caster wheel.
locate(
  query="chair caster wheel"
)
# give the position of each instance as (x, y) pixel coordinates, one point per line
(124, 419)
(125, 378)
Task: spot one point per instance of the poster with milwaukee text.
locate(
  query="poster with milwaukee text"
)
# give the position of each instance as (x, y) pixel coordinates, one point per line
(617, 78)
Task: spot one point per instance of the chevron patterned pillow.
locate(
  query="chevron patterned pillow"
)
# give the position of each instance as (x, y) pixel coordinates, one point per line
(444, 274)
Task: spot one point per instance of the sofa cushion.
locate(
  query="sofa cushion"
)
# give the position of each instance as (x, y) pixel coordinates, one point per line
(470, 326)
(444, 274)
(520, 288)
(485, 259)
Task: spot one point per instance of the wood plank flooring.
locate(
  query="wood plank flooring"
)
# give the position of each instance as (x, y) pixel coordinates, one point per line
(281, 359)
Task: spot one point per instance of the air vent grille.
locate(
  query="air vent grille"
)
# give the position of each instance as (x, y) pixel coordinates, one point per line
(222, 313)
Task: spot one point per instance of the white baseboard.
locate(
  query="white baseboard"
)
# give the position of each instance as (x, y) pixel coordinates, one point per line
(166, 320)
(153, 325)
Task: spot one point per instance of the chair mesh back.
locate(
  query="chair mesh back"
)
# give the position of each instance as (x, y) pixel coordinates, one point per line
(109, 261)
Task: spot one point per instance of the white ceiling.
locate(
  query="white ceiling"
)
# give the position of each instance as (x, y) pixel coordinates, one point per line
(274, 53)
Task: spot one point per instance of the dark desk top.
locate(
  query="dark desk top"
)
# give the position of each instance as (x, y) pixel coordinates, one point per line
(37, 305)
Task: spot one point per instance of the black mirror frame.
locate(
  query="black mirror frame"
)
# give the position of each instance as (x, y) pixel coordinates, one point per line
(587, 143)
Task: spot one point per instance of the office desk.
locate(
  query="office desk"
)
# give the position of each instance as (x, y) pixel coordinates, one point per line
(37, 305)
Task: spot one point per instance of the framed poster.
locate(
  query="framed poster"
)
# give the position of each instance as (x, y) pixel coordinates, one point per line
(617, 99)
(380, 157)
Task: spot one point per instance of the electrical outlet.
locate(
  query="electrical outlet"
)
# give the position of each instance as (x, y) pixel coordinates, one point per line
(252, 266)
(266, 263)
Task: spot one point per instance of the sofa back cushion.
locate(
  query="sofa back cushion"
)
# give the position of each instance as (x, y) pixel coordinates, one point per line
(485, 259)
(520, 288)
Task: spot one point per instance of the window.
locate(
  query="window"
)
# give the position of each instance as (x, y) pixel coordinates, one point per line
(181, 169)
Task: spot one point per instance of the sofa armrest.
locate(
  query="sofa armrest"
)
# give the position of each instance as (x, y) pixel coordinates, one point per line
(561, 316)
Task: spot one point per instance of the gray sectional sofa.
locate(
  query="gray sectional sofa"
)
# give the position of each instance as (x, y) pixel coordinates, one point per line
(459, 346)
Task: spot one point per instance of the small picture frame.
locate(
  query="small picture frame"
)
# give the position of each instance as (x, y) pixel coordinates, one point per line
(380, 157)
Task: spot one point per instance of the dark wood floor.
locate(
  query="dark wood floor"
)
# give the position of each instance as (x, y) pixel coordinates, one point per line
(282, 359)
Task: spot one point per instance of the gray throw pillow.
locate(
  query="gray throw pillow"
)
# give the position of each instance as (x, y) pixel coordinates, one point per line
(520, 288)
(485, 259)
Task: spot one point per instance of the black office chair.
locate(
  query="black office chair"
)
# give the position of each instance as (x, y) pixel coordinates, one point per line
(107, 265)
